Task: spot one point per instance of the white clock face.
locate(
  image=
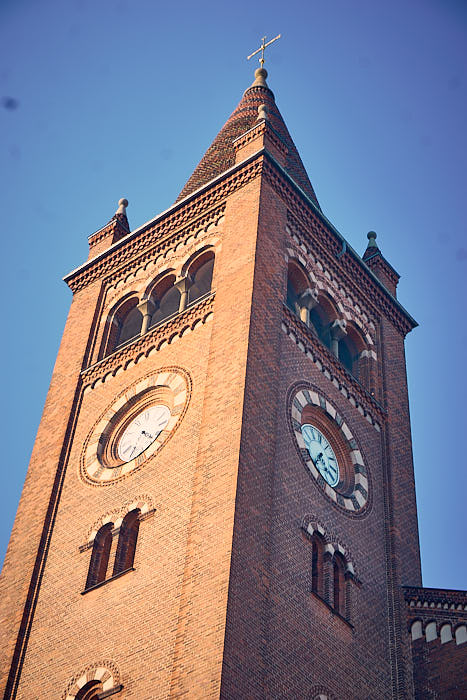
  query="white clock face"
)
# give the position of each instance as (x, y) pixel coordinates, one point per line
(142, 431)
(321, 453)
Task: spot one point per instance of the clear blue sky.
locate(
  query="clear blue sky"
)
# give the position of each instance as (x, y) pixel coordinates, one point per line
(100, 100)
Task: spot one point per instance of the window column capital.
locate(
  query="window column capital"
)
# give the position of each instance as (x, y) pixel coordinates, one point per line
(309, 298)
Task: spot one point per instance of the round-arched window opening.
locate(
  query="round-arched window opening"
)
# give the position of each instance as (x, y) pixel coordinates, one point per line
(321, 324)
(130, 324)
(201, 276)
(90, 691)
(166, 298)
(297, 283)
(349, 349)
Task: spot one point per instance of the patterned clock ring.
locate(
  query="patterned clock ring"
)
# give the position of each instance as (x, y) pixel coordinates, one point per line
(135, 426)
(319, 432)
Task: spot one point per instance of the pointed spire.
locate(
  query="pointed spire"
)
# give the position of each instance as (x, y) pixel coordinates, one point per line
(257, 103)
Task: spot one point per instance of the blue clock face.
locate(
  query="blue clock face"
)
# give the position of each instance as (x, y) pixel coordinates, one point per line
(321, 453)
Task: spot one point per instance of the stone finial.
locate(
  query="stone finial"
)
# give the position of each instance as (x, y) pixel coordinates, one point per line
(260, 78)
(371, 235)
(122, 205)
(262, 113)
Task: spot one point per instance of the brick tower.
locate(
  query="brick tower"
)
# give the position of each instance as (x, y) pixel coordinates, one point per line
(220, 501)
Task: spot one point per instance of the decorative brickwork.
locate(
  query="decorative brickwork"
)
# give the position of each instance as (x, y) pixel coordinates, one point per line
(171, 386)
(437, 625)
(230, 591)
(144, 347)
(106, 672)
(353, 490)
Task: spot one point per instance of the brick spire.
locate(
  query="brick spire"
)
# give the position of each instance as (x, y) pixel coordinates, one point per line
(221, 153)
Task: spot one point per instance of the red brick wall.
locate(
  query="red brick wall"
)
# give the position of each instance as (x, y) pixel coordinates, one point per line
(440, 670)
(219, 602)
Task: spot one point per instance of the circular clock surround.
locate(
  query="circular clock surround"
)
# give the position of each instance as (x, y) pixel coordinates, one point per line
(144, 416)
(347, 487)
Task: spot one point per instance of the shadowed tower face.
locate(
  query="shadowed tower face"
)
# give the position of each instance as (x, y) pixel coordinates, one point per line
(220, 502)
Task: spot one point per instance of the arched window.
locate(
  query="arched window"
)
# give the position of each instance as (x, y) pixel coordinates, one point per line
(349, 349)
(320, 320)
(130, 325)
(166, 298)
(90, 691)
(200, 273)
(348, 355)
(338, 585)
(317, 548)
(123, 325)
(297, 284)
(100, 556)
(126, 547)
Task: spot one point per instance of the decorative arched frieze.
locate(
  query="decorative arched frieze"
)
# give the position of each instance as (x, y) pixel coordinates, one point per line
(330, 285)
(443, 630)
(105, 672)
(146, 346)
(360, 399)
(333, 545)
(320, 692)
(144, 503)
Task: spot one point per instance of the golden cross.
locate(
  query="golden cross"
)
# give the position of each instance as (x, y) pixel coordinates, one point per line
(261, 48)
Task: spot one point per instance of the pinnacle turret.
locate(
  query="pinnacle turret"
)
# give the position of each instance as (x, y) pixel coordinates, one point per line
(379, 265)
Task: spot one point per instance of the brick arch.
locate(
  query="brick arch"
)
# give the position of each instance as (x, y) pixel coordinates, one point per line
(460, 633)
(163, 280)
(320, 692)
(416, 629)
(445, 632)
(333, 546)
(430, 630)
(190, 264)
(105, 671)
(341, 298)
(144, 503)
(113, 321)
(296, 254)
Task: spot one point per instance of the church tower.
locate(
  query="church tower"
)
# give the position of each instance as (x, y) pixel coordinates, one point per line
(220, 500)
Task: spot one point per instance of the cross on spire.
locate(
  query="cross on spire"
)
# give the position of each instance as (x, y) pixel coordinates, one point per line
(261, 48)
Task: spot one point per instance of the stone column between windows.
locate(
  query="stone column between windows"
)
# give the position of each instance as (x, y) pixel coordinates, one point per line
(328, 577)
(147, 308)
(183, 286)
(308, 300)
(338, 331)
